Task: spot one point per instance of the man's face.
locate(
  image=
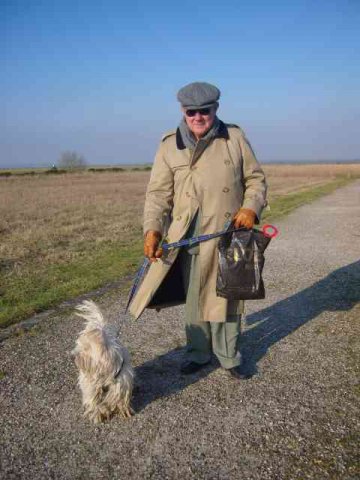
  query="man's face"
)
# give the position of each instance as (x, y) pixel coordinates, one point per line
(200, 122)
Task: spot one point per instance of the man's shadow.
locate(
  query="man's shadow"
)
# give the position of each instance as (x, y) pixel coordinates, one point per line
(339, 291)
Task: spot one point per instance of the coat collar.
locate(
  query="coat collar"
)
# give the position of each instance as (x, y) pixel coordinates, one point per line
(222, 133)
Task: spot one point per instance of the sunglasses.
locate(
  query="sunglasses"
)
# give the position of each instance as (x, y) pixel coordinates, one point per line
(202, 111)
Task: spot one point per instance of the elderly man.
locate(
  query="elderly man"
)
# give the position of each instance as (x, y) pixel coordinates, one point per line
(205, 174)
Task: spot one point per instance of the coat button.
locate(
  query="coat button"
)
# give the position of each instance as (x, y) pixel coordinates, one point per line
(187, 194)
(227, 215)
(226, 190)
(227, 162)
(178, 218)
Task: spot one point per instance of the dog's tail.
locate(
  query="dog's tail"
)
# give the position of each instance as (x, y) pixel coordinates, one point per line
(91, 313)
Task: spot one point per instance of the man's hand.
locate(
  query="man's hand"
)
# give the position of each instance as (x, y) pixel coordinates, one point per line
(151, 243)
(245, 217)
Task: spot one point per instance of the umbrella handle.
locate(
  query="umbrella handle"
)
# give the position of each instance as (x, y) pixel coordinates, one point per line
(269, 230)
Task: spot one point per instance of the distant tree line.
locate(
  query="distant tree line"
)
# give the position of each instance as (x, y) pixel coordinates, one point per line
(71, 161)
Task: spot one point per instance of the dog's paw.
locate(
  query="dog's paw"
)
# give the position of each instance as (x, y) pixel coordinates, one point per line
(128, 412)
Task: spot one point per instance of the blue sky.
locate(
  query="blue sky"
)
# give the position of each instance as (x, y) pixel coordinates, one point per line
(101, 77)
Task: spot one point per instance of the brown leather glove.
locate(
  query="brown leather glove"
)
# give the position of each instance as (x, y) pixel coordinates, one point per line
(151, 243)
(245, 217)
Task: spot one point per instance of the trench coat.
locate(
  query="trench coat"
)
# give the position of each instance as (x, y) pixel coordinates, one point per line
(216, 181)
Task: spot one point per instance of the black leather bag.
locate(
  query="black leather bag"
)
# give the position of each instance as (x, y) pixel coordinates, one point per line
(241, 262)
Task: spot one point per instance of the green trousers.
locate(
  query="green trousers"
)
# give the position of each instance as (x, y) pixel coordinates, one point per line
(203, 338)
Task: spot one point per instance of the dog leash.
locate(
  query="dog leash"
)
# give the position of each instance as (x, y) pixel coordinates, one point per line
(268, 230)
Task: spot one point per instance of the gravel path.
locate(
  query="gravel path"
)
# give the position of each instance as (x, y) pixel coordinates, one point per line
(296, 418)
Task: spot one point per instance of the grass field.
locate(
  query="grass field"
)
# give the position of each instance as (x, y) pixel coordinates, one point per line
(63, 235)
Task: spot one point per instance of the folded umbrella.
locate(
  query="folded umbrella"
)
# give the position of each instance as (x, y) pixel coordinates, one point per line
(268, 230)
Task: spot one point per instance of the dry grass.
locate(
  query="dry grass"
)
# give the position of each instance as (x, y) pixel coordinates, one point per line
(53, 227)
(284, 179)
(47, 218)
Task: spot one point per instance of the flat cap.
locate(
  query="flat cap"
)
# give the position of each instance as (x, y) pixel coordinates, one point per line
(198, 95)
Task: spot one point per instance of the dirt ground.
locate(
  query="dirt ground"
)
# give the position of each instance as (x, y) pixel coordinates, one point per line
(297, 417)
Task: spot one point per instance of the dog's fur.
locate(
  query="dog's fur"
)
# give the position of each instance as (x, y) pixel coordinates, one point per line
(106, 376)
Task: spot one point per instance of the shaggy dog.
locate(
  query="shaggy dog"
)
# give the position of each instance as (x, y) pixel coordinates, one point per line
(106, 376)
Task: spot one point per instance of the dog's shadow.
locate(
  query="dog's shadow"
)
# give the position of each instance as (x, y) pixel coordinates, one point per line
(339, 291)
